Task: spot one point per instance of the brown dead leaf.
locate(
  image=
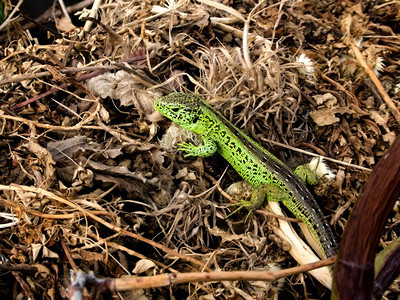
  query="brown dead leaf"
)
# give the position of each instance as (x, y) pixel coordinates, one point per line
(389, 137)
(104, 115)
(42, 270)
(46, 159)
(91, 256)
(324, 117)
(62, 150)
(74, 167)
(102, 85)
(64, 24)
(380, 119)
(143, 266)
(47, 253)
(18, 255)
(328, 99)
(124, 87)
(118, 170)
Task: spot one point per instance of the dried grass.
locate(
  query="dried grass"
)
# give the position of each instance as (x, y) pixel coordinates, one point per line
(91, 189)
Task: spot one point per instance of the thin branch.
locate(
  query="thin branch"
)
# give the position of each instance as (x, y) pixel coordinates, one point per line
(389, 102)
(9, 18)
(131, 283)
(50, 195)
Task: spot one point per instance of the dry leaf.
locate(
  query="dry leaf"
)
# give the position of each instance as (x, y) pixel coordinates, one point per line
(324, 117)
(328, 99)
(45, 158)
(143, 265)
(64, 24)
(389, 137)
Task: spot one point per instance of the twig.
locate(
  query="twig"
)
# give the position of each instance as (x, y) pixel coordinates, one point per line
(79, 79)
(9, 18)
(52, 216)
(317, 155)
(392, 107)
(272, 215)
(77, 126)
(22, 188)
(115, 133)
(64, 10)
(93, 12)
(125, 284)
(25, 286)
(20, 268)
(20, 78)
(69, 256)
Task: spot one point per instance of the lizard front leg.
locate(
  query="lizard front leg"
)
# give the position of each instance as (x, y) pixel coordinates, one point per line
(208, 148)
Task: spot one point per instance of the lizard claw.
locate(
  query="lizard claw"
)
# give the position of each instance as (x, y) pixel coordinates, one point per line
(243, 204)
(187, 147)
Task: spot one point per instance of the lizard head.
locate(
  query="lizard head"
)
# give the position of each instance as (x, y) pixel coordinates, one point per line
(184, 109)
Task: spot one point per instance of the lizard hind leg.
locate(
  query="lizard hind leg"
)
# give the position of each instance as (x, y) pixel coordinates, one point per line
(265, 191)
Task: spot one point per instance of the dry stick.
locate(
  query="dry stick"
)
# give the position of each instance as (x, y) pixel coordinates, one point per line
(123, 284)
(93, 12)
(354, 274)
(9, 18)
(64, 10)
(51, 216)
(392, 107)
(317, 155)
(22, 188)
(78, 126)
(117, 134)
(19, 268)
(25, 286)
(23, 77)
(134, 253)
(79, 79)
(56, 89)
(69, 256)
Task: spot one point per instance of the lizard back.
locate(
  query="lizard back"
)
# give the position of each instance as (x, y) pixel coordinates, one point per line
(253, 163)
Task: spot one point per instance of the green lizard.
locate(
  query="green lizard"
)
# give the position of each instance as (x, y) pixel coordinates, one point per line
(272, 179)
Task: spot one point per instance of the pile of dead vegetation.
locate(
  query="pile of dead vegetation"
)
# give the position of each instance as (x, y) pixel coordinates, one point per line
(85, 184)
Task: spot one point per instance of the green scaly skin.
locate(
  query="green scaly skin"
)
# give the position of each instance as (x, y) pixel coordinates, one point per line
(272, 178)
